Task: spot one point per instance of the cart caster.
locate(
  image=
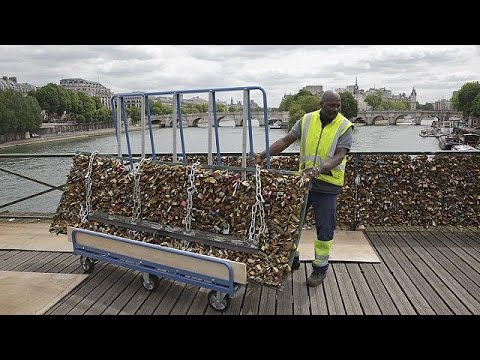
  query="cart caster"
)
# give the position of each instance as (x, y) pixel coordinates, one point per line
(218, 301)
(149, 282)
(87, 264)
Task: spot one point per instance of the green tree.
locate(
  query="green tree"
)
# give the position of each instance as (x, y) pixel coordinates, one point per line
(476, 106)
(48, 98)
(18, 113)
(88, 106)
(428, 106)
(349, 105)
(308, 102)
(98, 103)
(75, 104)
(134, 113)
(286, 103)
(374, 100)
(296, 113)
(464, 99)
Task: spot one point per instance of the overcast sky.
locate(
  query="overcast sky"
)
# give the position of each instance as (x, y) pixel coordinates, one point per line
(434, 70)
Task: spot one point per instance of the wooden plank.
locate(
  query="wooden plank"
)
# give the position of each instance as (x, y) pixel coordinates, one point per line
(455, 265)
(72, 300)
(136, 300)
(28, 262)
(252, 299)
(181, 307)
(69, 261)
(201, 264)
(407, 286)
(473, 236)
(285, 297)
(154, 297)
(58, 260)
(301, 301)
(75, 268)
(99, 290)
(318, 302)
(332, 294)
(44, 260)
(199, 303)
(120, 302)
(452, 293)
(473, 232)
(382, 297)
(458, 248)
(198, 236)
(268, 301)
(236, 303)
(368, 301)
(17, 259)
(7, 254)
(171, 297)
(425, 281)
(467, 244)
(347, 291)
(111, 294)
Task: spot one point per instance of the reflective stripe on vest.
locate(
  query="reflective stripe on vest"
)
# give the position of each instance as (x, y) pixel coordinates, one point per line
(311, 156)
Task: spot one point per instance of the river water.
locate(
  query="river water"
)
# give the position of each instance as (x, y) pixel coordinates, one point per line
(388, 138)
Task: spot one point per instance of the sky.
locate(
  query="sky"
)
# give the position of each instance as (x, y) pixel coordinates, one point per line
(434, 70)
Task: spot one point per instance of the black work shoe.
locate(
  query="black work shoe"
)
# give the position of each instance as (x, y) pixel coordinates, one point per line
(317, 276)
(296, 263)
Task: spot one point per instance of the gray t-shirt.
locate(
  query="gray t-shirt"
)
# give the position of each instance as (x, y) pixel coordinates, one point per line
(344, 141)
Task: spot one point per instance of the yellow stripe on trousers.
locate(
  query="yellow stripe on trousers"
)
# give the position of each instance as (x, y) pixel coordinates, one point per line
(322, 252)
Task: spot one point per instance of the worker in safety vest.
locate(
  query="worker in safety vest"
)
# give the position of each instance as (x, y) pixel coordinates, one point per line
(325, 138)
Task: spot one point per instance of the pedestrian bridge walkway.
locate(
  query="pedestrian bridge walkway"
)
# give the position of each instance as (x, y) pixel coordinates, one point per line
(433, 271)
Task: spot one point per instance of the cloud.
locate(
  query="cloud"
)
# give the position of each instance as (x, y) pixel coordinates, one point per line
(434, 70)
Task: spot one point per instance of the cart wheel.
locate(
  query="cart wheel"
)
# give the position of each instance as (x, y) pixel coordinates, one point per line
(216, 302)
(87, 264)
(152, 282)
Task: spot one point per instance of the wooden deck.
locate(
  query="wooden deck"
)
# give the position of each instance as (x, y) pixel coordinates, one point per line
(423, 271)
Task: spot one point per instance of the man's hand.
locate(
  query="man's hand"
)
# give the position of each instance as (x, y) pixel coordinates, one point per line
(312, 172)
(254, 160)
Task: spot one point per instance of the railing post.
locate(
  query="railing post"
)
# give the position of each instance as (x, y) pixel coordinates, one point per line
(356, 183)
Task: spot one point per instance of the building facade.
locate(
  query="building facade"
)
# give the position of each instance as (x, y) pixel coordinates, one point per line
(10, 83)
(90, 88)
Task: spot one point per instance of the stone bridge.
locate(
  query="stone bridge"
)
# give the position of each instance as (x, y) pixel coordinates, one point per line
(371, 117)
(192, 120)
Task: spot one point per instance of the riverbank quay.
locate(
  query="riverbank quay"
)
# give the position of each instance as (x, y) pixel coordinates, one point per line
(57, 137)
(434, 271)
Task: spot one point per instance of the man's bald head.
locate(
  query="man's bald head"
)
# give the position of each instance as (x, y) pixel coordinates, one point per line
(330, 95)
(330, 105)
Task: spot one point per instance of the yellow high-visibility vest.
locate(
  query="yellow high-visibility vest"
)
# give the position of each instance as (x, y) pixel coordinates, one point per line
(318, 144)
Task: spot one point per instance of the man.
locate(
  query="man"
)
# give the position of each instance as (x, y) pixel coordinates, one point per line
(325, 138)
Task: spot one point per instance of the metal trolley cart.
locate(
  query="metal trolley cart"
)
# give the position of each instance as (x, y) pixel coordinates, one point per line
(222, 276)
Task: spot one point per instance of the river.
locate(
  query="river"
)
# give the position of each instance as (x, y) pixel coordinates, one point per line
(387, 138)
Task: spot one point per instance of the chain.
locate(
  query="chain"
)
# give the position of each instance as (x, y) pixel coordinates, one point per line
(257, 207)
(137, 198)
(190, 191)
(84, 211)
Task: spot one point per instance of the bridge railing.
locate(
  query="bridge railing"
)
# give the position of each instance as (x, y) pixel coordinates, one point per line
(382, 188)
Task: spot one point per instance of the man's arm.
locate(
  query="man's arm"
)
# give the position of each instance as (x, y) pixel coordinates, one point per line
(327, 165)
(334, 161)
(276, 148)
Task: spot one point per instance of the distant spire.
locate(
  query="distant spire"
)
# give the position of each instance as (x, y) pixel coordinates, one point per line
(356, 82)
